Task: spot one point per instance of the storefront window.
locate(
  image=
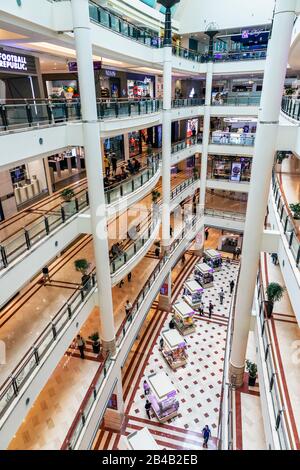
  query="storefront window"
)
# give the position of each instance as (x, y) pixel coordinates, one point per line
(135, 145)
(229, 168)
(139, 86)
(115, 145)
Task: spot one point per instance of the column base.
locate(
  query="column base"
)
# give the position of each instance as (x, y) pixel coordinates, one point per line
(109, 346)
(113, 419)
(164, 303)
(236, 375)
(165, 250)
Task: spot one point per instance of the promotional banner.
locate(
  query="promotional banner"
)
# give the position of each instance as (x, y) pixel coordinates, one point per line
(236, 172)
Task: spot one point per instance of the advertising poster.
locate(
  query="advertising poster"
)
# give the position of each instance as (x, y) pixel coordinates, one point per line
(236, 169)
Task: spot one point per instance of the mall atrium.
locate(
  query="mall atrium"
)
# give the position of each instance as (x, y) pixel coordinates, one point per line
(149, 225)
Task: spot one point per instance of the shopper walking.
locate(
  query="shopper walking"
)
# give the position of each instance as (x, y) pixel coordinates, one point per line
(80, 344)
(161, 343)
(148, 408)
(128, 307)
(171, 232)
(146, 387)
(129, 276)
(221, 296)
(210, 309)
(114, 162)
(231, 284)
(206, 233)
(274, 257)
(45, 273)
(237, 253)
(106, 166)
(206, 432)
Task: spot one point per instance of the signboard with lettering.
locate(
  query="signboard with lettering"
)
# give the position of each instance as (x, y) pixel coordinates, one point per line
(73, 66)
(16, 63)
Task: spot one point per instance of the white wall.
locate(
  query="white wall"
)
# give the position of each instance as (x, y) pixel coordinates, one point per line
(194, 16)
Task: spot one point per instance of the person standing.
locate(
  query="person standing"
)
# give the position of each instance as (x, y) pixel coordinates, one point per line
(106, 166)
(171, 232)
(128, 307)
(146, 387)
(148, 408)
(206, 233)
(210, 309)
(221, 296)
(80, 345)
(114, 163)
(231, 284)
(237, 252)
(201, 309)
(206, 435)
(46, 276)
(129, 276)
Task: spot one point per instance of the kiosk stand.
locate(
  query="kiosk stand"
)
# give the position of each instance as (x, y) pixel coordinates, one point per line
(162, 397)
(204, 275)
(192, 293)
(183, 318)
(214, 259)
(141, 440)
(174, 349)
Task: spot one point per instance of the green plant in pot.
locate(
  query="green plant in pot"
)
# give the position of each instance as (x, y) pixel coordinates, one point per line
(67, 194)
(274, 293)
(251, 368)
(155, 196)
(95, 342)
(295, 208)
(82, 265)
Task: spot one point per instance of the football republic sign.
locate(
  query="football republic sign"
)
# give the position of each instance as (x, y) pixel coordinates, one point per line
(13, 62)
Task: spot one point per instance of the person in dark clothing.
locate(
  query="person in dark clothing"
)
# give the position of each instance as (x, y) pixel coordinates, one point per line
(171, 232)
(210, 309)
(231, 284)
(148, 408)
(274, 257)
(130, 167)
(137, 165)
(237, 252)
(206, 435)
(206, 233)
(45, 272)
(129, 275)
(80, 345)
(172, 324)
(114, 162)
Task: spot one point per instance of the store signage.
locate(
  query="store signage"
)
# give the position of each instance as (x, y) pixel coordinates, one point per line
(256, 32)
(10, 61)
(110, 73)
(74, 68)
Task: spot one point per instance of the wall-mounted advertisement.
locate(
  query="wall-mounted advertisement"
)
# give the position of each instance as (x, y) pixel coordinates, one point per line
(236, 169)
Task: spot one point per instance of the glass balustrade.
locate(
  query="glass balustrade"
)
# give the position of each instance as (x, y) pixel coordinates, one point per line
(232, 138)
(236, 99)
(269, 359)
(286, 219)
(291, 107)
(238, 216)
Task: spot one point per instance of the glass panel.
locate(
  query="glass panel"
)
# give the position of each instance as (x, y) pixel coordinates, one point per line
(37, 231)
(15, 247)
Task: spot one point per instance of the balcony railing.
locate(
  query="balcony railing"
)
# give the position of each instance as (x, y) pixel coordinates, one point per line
(25, 239)
(187, 102)
(285, 215)
(39, 113)
(232, 138)
(237, 99)
(237, 216)
(189, 142)
(268, 356)
(291, 107)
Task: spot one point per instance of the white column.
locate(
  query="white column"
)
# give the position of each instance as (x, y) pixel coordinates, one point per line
(126, 146)
(275, 72)
(166, 147)
(48, 176)
(206, 132)
(93, 161)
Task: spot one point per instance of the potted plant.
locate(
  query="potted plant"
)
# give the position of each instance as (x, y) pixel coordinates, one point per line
(95, 342)
(251, 368)
(295, 208)
(82, 265)
(67, 194)
(289, 91)
(274, 293)
(155, 196)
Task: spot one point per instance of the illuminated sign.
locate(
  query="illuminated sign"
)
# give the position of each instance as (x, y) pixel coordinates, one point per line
(110, 73)
(73, 66)
(13, 62)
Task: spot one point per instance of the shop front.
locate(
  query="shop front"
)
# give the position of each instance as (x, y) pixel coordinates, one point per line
(19, 75)
(140, 86)
(115, 145)
(233, 131)
(66, 166)
(230, 241)
(222, 167)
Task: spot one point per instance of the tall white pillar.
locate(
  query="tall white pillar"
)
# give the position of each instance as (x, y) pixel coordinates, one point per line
(166, 147)
(206, 133)
(126, 146)
(48, 176)
(275, 72)
(93, 161)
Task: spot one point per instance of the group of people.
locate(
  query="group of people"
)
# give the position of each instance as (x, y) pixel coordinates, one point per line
(116, 251)
(118, 173)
